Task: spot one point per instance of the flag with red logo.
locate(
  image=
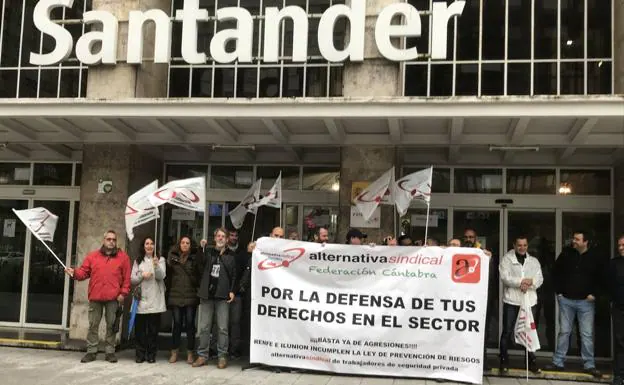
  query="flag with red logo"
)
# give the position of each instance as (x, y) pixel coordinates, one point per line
(188, 193)
(273, 197)
(526, 331)
(376, 193)
(246, 206)
(40, 221)
(413, 186)
(139, 210)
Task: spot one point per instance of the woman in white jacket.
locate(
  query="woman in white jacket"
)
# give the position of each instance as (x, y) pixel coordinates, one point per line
(521, 275)
(148, 274)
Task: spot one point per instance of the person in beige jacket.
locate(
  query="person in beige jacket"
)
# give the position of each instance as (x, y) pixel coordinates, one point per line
(521, 275)
(148, 273)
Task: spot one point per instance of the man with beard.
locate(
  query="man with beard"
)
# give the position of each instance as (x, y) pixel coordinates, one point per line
(109, 270)
(217, 269)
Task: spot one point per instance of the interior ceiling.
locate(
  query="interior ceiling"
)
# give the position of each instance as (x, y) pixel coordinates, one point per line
(481, 140)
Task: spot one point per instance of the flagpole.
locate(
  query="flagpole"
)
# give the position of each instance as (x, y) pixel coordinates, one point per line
(48, 247)
(395, 222)
(253, 232)
(427, 225)
(156, 236)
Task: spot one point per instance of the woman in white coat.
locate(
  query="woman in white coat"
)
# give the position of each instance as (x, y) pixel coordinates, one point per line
(148, 279)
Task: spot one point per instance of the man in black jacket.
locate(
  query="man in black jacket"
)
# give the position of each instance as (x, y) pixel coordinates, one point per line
(243, 277)
(576, 275)
(616, 289)
(217, 270)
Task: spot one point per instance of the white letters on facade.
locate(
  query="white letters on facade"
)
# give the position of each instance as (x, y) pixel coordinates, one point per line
(63, 39)
(189, 16)
(272, 22)
(356, 15)
(441, 16)
(107, 38)
(243, 34)
(162, 38)
(384, 31)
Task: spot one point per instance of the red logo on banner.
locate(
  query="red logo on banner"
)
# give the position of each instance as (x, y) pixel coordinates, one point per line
(466, 268)
(284, 259)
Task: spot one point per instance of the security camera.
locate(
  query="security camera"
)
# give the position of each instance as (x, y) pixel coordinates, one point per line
(105, 186)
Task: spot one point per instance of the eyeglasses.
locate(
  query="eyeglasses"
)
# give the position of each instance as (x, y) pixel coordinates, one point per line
(110, 239)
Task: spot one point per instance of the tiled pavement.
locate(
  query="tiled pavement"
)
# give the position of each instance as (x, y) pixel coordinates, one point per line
(20, 366)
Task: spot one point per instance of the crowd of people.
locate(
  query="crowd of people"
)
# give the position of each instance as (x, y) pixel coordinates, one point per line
(215, 280)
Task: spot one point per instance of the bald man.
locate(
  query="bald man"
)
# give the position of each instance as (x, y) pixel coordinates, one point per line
(277, 232)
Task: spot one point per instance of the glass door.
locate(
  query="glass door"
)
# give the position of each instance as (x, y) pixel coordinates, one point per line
(12, 258)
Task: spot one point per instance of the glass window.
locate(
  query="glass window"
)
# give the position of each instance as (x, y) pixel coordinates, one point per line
(572, 29)
(483, 181)
(530, 181)
(441, 79)
(291, 221)
(321, 178)
(290, 177)
(416, 80)
(52, 174)
(599, 28)
(178, 222)
(468, 32)
(467, 79)
(413, 224)
(492, 79)
(585, 182)
(518, 79)
(572, 78)
(179, 171)
(599, 78)
(545, 79)
(231, 176)
(493, 30)
(78, 177)
(545, 36)
(15, 173)
(440, 180)
(519, 30)
(598, 226)
(315, 217)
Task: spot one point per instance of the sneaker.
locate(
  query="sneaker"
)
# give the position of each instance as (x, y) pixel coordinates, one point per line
(593, 372)
(110, 357)
(89, 357)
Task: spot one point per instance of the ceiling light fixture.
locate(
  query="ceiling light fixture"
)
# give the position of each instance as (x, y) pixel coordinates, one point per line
(514, 148)
(234, 146)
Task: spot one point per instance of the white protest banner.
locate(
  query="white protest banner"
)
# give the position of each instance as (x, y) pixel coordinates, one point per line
(389, 311)
(139, 210)
(368, 200)
(42, 224)
(246, 206)
(188, 193)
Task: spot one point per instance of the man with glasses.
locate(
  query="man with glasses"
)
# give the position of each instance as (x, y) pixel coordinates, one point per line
(109, 270)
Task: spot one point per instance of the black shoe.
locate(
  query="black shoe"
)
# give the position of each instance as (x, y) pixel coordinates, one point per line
(110, 357)
(504, 367)
(140, 360)
(617, 381)
(151, 360)
(594, 372)
(533, 368)
(89, 357)
(554, 368)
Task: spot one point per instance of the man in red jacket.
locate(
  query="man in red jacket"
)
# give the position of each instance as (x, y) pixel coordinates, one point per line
(109, 270)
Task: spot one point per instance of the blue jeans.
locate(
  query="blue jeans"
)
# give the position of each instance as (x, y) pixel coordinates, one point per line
(183, 315)
(209, 309)
(569, 309)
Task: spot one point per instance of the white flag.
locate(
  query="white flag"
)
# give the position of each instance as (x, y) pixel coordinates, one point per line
(413, 186)
(526, 332)
(374, 194)
(189, 194)
(246, 206)
(139, 210)
(39, 221)
(273, 198)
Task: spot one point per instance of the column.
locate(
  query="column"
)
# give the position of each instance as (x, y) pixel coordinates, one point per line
(367, 163)
(618, 212)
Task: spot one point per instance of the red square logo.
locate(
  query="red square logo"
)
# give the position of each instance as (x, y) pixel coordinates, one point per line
(466, 268)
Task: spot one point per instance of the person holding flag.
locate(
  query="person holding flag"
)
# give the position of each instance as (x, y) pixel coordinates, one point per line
(109, 271)
(521, 275)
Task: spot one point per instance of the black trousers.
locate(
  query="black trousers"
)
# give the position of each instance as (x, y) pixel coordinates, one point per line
(510, 314)
(618, 341)
(183, 316)
(147, 326)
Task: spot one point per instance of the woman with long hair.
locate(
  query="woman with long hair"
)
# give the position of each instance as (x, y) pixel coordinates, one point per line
(183, 299)
(148, 275)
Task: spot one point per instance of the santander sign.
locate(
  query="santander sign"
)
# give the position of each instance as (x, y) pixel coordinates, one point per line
(106, 38)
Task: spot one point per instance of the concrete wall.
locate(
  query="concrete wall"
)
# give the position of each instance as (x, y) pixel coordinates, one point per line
(618, 54)
(125, 165)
